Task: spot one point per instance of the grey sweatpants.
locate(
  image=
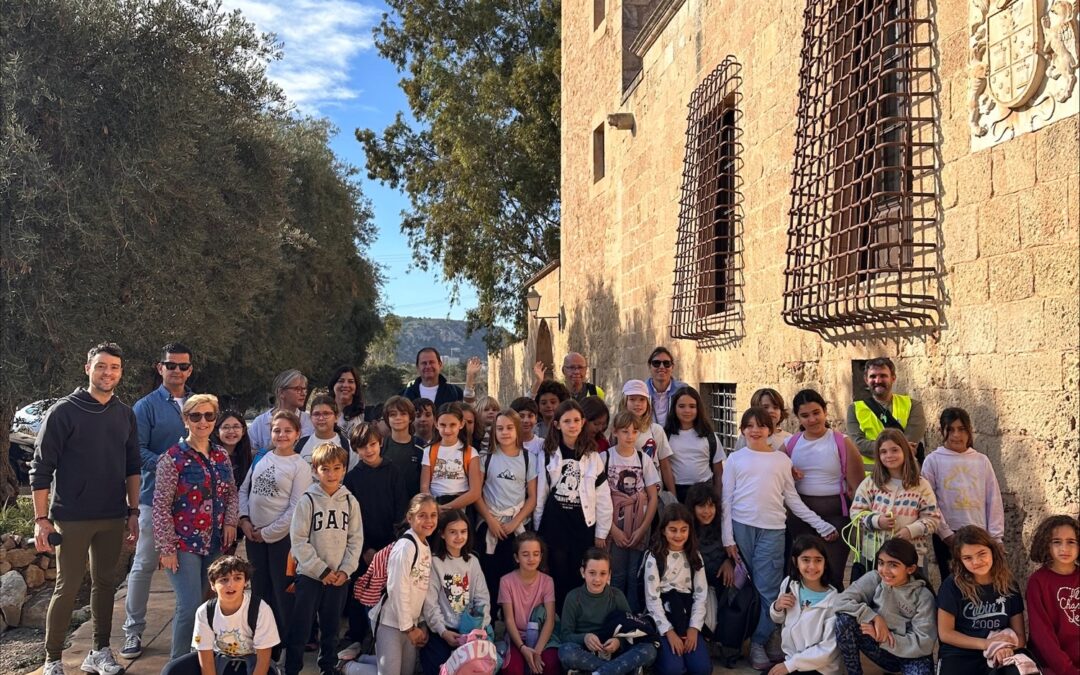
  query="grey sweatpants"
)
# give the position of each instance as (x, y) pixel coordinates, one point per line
(395, 652)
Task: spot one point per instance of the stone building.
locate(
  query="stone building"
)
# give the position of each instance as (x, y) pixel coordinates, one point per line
(777, 191)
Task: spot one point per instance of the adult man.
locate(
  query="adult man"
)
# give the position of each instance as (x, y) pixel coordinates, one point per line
(574, 369)
(290, 393)
(160, 426)
(431, 384)
(661, 385)
(89, 445)
(866, 418)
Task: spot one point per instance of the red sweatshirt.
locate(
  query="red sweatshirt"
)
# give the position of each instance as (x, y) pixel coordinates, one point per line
(1053, 605)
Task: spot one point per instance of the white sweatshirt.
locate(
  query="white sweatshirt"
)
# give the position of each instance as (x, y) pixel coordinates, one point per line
(757, 485)
(406, 584)
(270, 492)
(808, 636)
(595, 504)
(455, 587)
(676, 577)
(327, 533)
(967, 491)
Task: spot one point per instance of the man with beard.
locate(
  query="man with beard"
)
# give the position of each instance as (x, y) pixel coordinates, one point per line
(868, 417)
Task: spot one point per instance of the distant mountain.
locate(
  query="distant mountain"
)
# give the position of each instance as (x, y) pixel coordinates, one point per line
(446, 335)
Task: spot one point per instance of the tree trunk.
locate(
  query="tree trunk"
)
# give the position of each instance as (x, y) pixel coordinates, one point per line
(9, 485)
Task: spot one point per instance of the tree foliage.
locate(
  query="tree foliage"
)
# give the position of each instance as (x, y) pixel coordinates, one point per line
(155, 186)
(481, 167)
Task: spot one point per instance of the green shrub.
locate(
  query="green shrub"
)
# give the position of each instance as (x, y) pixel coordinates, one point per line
(18, 517)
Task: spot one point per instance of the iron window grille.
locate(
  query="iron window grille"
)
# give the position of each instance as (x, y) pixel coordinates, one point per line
(707, 291)
(720, 399)
(862, 238)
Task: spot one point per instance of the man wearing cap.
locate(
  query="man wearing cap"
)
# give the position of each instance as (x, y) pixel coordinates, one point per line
(868, 417)
(574, 369)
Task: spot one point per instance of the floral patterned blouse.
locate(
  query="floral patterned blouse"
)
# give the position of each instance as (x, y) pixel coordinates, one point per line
(194, 498)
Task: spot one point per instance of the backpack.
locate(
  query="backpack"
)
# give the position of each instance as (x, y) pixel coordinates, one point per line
(370, 587)
(476, 656)
(252, 614)
(841, 449)
(487, 464)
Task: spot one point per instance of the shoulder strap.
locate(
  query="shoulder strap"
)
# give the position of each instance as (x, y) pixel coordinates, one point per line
(789, 445)
(487, 464)
(433, 455)
(641, 462)
(253, 614)
(841, 449)
(211, 610)
(711, 437)
(884, 414)
(312, 523)
(416, 548)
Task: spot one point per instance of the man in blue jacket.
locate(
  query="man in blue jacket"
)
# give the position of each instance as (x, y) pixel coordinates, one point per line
(431, 384)
(161, 425)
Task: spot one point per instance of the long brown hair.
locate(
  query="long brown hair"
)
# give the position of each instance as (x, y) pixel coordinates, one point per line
(585, 442)
(1001, 577)
(674, 513)
(909, 474)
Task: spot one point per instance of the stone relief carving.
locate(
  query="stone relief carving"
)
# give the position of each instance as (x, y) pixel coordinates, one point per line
(1022, 68)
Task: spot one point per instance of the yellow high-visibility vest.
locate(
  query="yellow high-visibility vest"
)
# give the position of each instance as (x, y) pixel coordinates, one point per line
(871, 424)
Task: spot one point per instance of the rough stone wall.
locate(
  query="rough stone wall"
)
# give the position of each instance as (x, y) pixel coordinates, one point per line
(1009, 346)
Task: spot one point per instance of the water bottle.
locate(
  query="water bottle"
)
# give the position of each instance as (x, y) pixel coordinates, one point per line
(532, 634)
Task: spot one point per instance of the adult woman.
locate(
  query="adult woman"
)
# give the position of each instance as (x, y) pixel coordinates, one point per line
(195, 513)
(828, 469)
(230, 433)
(661, 385)
(345, 386)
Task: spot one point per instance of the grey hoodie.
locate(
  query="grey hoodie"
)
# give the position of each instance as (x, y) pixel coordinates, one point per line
(327, 533)
(909, 611)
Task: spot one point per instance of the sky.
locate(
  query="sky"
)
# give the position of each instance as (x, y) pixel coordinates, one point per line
(331, 69)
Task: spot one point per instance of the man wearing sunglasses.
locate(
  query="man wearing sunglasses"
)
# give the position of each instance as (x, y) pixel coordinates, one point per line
(661, 385)
(160, 427)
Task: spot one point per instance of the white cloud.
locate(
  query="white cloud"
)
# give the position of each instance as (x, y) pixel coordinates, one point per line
(321, 39)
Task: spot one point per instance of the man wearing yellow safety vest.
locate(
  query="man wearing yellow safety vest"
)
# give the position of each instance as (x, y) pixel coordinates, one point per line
(868, 417)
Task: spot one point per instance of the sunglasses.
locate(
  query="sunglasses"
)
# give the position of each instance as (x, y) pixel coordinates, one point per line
(199, 417)
(659, 363)
(169, 365)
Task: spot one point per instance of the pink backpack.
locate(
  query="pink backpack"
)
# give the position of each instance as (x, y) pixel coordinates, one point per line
(476, 656)
(841, 449)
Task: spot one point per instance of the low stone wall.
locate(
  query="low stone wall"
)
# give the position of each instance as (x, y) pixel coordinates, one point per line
(23, 571)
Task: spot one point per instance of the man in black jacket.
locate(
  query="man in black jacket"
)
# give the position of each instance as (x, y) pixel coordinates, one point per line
(431, 384)
(88, 444)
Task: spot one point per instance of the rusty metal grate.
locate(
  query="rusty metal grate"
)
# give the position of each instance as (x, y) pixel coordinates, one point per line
(862, 239)
(707, 293)
(720, 399)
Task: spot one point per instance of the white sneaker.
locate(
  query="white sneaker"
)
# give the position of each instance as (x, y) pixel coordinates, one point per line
(53, 668)
(101, 662)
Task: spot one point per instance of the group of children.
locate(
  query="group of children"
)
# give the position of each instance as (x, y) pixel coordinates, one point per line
(657, 521)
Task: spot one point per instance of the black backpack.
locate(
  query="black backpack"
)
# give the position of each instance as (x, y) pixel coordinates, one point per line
(252, 613)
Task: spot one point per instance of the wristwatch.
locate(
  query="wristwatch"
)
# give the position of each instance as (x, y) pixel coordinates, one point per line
(133, 512)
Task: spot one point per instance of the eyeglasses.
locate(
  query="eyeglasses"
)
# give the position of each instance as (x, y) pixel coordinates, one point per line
(574, 367)
(298, 389)
(199, 417)
(170, 365)
(661, 363)
(231, 427)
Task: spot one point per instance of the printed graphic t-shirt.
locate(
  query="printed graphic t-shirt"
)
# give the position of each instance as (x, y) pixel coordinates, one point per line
(449, 476)
(990, 614)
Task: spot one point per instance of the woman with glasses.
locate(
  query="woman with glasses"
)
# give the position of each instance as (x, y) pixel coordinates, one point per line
(231, 434)
(290, 394)
(195, 513)
(661, 385)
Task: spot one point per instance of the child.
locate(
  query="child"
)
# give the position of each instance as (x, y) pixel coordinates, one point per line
(757, 486)
(719, 568)
(548, 397)
(651, 437)
(893, 501)
(981, 597)
(380, 489)
(474, 431)
(525, 595)
(804, 608)
(508, 498)
(402, 449)
(327, 537)
(487, 408)
(773, 403)
(596, 420)
(457, 589)
(324, 412)
(449, 472)
(397, 616)
(587, 608)
(268, 495)
(693, 443)
(965, 486)
(529, 413)
(888, 615)
(424, 424)
(634, 483)
(578, 509)
(227, 641)
(675, 593)
(1053, 596)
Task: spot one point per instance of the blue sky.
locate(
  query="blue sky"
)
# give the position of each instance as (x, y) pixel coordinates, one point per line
(331, 69)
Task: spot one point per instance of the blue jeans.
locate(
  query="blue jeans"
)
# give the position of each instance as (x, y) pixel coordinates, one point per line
(189, 586)
(625, 563)
(628, 659)
(696, 662)
(143, 566)
(851, 641)
(763, 554)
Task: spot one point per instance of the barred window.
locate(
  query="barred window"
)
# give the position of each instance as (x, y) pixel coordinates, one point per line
(862, 238)
(707, 292)
(720, 399)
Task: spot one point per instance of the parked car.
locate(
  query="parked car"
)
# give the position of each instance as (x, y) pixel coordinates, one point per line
(24, 431)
